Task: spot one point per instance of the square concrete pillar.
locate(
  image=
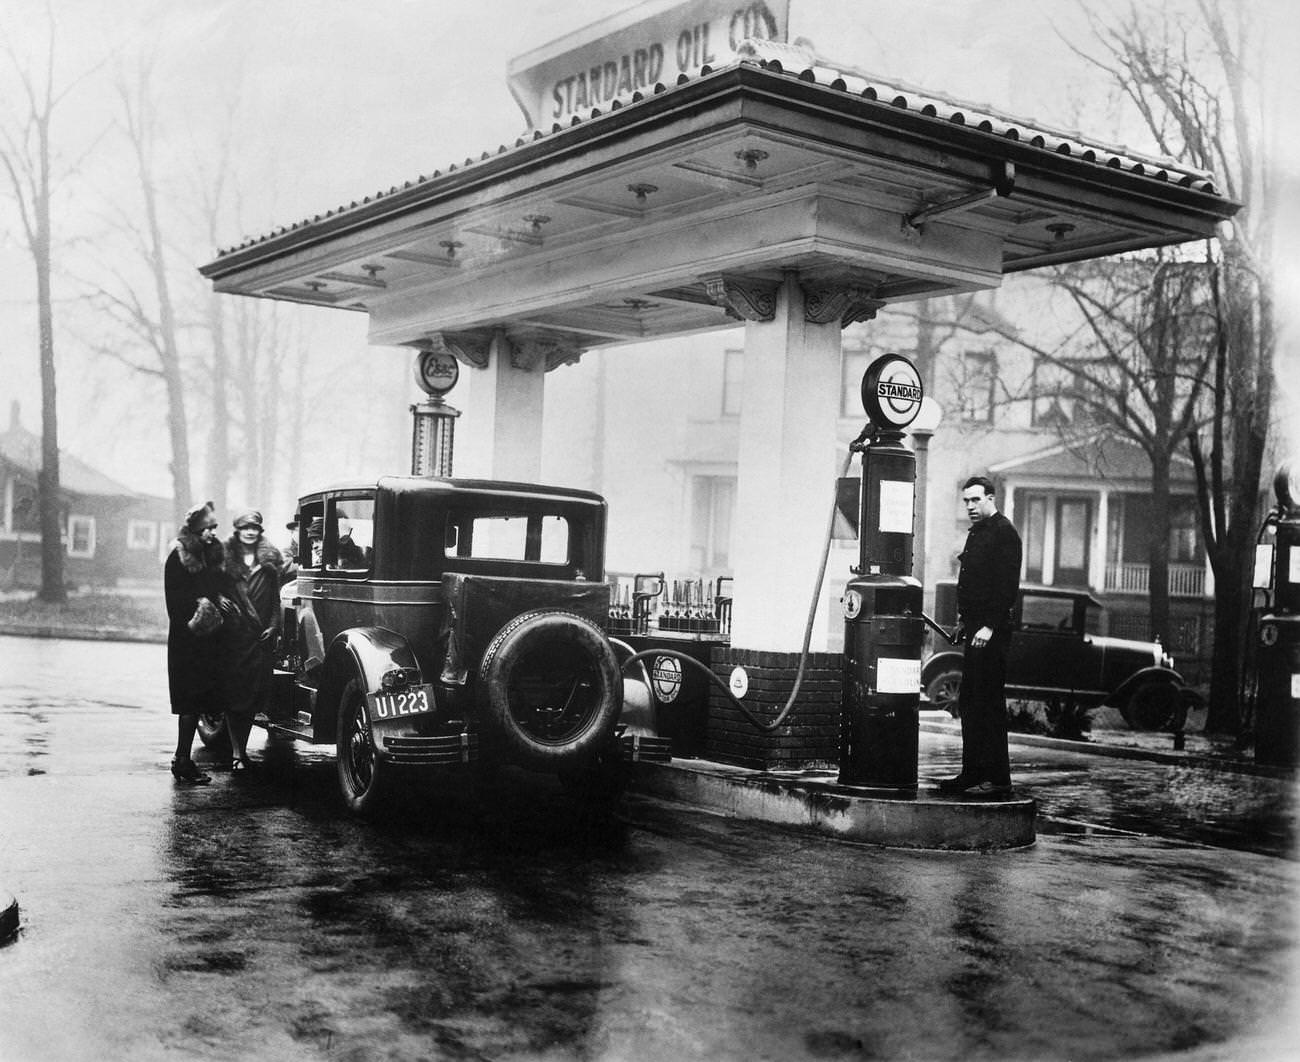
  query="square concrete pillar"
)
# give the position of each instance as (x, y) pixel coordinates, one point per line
(787, 468)
(500, 434)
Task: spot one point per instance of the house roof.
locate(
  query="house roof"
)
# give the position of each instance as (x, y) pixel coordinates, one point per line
(21, 449)
(1096, 457)
(675, 210)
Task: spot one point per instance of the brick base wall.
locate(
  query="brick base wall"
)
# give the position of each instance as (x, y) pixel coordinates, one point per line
(810, 736)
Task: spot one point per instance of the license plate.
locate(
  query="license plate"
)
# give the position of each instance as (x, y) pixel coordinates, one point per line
(400, 703)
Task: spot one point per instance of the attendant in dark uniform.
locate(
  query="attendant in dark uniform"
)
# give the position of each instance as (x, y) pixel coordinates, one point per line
(192, 588)
(986, 595)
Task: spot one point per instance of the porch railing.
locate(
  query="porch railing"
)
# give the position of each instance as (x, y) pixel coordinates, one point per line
(1185, 580)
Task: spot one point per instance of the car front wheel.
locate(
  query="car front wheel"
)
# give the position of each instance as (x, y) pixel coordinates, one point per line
(1154, 706)
(943, 689)
(364, 780)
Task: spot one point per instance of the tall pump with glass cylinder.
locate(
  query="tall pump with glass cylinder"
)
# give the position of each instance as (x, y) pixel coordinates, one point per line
(883, 632)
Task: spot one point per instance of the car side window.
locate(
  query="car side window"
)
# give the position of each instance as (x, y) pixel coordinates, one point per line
(350, 533)
(310, 535)
(1047, 614)
(508, 536)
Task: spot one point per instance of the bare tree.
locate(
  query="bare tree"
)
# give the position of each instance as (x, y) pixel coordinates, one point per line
(1133, 367)
(1189, 76)
(27, 157)
(147, 308)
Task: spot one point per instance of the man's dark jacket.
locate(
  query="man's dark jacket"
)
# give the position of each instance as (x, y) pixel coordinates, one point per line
(990, 574)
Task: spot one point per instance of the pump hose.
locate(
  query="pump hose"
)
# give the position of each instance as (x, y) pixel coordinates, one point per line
(807, 634)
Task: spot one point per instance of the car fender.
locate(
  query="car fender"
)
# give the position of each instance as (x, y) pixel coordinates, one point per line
(1155, 673)
(368, 653)
(946, 660)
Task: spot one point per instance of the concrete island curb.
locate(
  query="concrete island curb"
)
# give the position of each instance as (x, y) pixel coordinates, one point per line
(813, 800)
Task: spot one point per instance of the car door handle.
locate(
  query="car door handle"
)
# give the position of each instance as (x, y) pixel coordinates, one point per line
(322, 591)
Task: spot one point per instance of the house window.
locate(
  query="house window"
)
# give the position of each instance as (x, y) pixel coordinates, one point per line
(1034, 533)
(1073, 518)
(1057, 534)
(977, 386)
(23, 513)
(141, 534)
(1184, 532)
(1053, 400)
(733, 377)
(81, 536)
(1134, 541)
(713, 502)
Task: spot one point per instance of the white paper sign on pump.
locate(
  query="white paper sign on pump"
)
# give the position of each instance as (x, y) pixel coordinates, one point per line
(898, 676)
(897, 497)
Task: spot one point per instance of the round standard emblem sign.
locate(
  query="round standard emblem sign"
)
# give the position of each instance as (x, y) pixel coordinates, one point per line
(892, 391)
(666, 675)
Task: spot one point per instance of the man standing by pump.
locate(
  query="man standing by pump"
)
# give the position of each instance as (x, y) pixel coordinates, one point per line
(986, 595)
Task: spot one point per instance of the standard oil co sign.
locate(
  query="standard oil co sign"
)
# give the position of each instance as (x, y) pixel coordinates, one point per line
(634, 50)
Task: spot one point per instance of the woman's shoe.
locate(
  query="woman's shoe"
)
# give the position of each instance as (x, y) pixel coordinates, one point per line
(243, 765)
(187, 773)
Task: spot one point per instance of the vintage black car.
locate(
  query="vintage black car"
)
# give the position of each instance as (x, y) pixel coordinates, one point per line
(445, 623)
(1054, 659)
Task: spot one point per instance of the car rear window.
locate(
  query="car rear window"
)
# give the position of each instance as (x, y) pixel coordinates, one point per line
(538, 537)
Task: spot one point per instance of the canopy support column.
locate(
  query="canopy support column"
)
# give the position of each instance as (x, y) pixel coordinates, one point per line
(786, 482)
(501, 437)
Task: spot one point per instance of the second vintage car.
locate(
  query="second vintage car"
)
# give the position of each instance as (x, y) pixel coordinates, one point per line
(1056, 659)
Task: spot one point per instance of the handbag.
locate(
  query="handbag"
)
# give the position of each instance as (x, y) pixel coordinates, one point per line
(206, 619)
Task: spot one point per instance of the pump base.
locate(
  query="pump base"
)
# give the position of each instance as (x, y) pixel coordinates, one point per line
(814, 800)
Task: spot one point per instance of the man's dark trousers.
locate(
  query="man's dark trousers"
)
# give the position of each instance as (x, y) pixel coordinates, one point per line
(982, 705)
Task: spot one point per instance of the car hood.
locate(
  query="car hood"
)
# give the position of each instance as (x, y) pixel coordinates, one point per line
(1152, 650)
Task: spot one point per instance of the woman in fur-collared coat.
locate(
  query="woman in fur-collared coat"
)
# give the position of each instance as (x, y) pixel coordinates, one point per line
(193, 574)
(252, 628)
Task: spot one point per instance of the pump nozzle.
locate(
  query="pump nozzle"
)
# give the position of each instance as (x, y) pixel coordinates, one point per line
(865, 436)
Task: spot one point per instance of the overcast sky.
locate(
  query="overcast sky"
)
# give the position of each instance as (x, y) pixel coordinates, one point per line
(338, 99)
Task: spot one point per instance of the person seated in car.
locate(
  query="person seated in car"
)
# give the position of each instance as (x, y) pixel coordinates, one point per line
(350, 555)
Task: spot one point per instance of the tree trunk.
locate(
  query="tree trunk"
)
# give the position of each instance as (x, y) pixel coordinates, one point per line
(1158, 555)
(51, 517)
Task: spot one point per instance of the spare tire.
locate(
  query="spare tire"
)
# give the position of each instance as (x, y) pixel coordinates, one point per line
(551, 690)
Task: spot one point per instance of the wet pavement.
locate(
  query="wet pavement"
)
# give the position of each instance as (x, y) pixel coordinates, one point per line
(1155, 918)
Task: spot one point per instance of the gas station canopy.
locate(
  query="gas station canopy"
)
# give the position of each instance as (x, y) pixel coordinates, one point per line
(682, 209)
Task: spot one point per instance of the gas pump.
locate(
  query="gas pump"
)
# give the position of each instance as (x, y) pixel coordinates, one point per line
(1277, 711)
(879, 722)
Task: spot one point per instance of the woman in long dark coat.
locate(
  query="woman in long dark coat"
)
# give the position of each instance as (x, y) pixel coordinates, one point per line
(252, 568)
(193, 572)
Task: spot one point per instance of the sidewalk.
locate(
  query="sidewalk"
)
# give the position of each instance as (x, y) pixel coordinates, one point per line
(1110, 736)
